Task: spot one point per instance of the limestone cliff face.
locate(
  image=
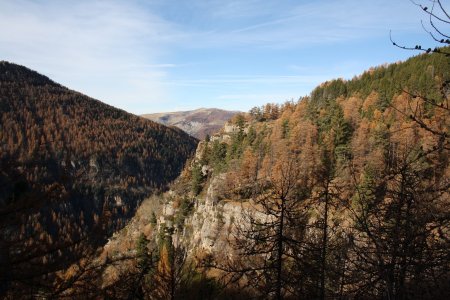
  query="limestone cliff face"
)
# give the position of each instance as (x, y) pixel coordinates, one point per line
(211, 224)
(209, 228)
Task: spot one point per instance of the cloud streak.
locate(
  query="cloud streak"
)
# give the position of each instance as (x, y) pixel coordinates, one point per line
(246, 80)
(93, 46)
(298, 23)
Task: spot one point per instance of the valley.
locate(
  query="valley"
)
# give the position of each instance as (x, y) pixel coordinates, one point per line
(224, 150)
(341, 194)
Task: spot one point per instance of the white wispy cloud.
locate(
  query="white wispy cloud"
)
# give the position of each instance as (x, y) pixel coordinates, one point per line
(301, 23)
(258, 97)
(236, 9)
(92, 46)
(242, 80)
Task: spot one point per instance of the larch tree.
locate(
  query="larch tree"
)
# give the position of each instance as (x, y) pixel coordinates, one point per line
(268, 237)
(401, 219)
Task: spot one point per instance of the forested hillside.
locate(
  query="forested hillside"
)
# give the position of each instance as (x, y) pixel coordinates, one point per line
(72, 170)
(343, 194)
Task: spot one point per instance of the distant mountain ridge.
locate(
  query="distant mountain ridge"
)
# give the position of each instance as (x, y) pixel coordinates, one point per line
(198, 123)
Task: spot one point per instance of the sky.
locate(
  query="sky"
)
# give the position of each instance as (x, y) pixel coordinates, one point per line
(170, 55)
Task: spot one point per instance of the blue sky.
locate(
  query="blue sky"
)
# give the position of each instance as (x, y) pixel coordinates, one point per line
(162, 55)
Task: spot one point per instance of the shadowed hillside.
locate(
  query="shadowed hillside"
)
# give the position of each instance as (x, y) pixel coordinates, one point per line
(72, 170)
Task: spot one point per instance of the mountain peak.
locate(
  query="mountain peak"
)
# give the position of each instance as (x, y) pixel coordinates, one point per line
(198, 123)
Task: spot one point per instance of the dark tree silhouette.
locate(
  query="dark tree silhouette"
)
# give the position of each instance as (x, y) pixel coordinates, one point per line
(268, 238)
(438, 18)
(399, 244)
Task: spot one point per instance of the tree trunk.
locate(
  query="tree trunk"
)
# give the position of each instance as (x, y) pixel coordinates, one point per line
(324, 244)
(280, 251)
